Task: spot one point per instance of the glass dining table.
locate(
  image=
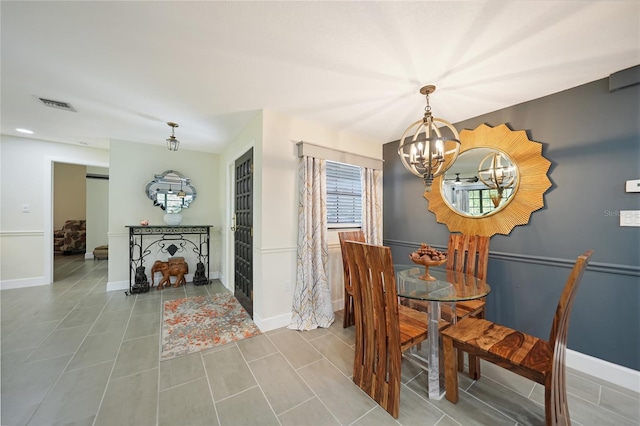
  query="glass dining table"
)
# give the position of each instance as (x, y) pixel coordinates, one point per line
(448, 287)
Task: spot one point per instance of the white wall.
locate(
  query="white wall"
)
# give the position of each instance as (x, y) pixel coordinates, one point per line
(272, 134)
(69, 193)
(26, 239)
(250, 137)
(276, 207)
(132, 166)
(97, 209)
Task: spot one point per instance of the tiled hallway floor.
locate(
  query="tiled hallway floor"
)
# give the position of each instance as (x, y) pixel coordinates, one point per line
(73, 354)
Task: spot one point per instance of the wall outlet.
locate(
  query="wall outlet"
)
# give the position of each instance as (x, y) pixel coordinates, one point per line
(26, 208)
(633, 185)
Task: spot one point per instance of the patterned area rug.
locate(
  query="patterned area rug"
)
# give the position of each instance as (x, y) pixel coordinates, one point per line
(197, 323)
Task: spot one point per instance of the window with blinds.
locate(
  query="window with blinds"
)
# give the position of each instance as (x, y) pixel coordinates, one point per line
(344, 195)
(480, 202)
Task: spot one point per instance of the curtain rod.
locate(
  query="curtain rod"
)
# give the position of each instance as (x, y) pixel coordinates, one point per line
(318, 151)
(339, 150)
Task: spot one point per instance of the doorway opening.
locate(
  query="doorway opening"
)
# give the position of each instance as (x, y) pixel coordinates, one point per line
(79, 217)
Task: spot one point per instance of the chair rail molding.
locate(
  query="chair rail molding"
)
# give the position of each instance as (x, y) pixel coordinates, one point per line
(21, 233)
(607, 268)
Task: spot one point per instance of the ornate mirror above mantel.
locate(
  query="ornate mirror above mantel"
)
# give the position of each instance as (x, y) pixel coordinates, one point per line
(171, 191)
(497, 181)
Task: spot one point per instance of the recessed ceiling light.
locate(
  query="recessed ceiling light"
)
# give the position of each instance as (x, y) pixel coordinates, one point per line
(29, 132)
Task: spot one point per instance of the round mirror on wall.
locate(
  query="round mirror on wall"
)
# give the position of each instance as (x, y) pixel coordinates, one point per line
(511, 173)
(481, 182)
(171, 191)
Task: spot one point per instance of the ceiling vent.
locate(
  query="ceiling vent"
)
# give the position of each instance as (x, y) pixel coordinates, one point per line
(57, 104)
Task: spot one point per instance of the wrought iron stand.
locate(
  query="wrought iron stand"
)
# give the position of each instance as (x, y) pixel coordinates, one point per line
(166, 239)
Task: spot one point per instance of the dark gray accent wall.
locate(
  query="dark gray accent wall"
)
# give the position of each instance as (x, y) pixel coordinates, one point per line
(592, 138)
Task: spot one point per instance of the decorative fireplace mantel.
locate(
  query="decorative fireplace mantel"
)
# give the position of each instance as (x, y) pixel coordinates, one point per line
(190, 241)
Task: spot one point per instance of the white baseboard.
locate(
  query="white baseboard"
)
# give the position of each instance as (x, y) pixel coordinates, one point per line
(223, 279)
(88, 256)
(268, 324)
(279, 321)
(118, 285)
(338, 305)
(613, 373)
(22, 283)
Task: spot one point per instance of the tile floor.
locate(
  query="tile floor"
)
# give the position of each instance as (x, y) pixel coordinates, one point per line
(73, 354)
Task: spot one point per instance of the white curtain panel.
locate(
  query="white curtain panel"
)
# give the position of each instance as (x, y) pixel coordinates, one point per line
(312, 306)
(372, 205)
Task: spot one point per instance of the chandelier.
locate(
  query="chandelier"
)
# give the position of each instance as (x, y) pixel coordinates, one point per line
(172, 142)
(424, 150)
(495, 175)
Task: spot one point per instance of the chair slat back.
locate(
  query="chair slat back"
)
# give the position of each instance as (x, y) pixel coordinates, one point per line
(468, 254)
(348, 236)
(348, 318)
(378, 354)
(559, 410)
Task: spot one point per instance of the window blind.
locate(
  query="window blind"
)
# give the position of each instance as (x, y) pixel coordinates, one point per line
(344, 195)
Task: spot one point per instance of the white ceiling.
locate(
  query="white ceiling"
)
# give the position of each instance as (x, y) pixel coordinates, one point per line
(129, 67)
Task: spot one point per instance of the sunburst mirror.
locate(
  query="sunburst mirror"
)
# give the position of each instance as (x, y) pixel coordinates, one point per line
(498, 180)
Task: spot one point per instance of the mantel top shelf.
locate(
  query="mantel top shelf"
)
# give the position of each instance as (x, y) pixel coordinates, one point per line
(168, 229)
(169, 226)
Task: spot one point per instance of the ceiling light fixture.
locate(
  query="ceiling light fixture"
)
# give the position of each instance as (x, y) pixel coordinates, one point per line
(27, 131)
(495, 175)
(424, 150)
(172, 142)
(181, 194)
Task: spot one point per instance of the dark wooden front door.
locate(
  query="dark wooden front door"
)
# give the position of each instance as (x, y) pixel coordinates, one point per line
(243, 231)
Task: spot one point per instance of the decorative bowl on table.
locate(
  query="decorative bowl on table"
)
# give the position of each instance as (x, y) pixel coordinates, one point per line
(428, 256)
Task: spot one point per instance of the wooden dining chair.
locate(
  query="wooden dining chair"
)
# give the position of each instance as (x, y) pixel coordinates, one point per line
(348, 318)
(382, 332)
(468, 254)
(526, 355)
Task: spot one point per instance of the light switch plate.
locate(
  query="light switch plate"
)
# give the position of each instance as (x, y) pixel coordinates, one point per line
(633, 185)
(629, 217)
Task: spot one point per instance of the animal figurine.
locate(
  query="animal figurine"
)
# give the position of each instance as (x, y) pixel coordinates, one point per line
(199, 278)
(177, 268)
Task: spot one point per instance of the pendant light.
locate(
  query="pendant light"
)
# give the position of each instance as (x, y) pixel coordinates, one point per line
(424, 150)
(181, 194)
(496, 175)
(172, 142)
